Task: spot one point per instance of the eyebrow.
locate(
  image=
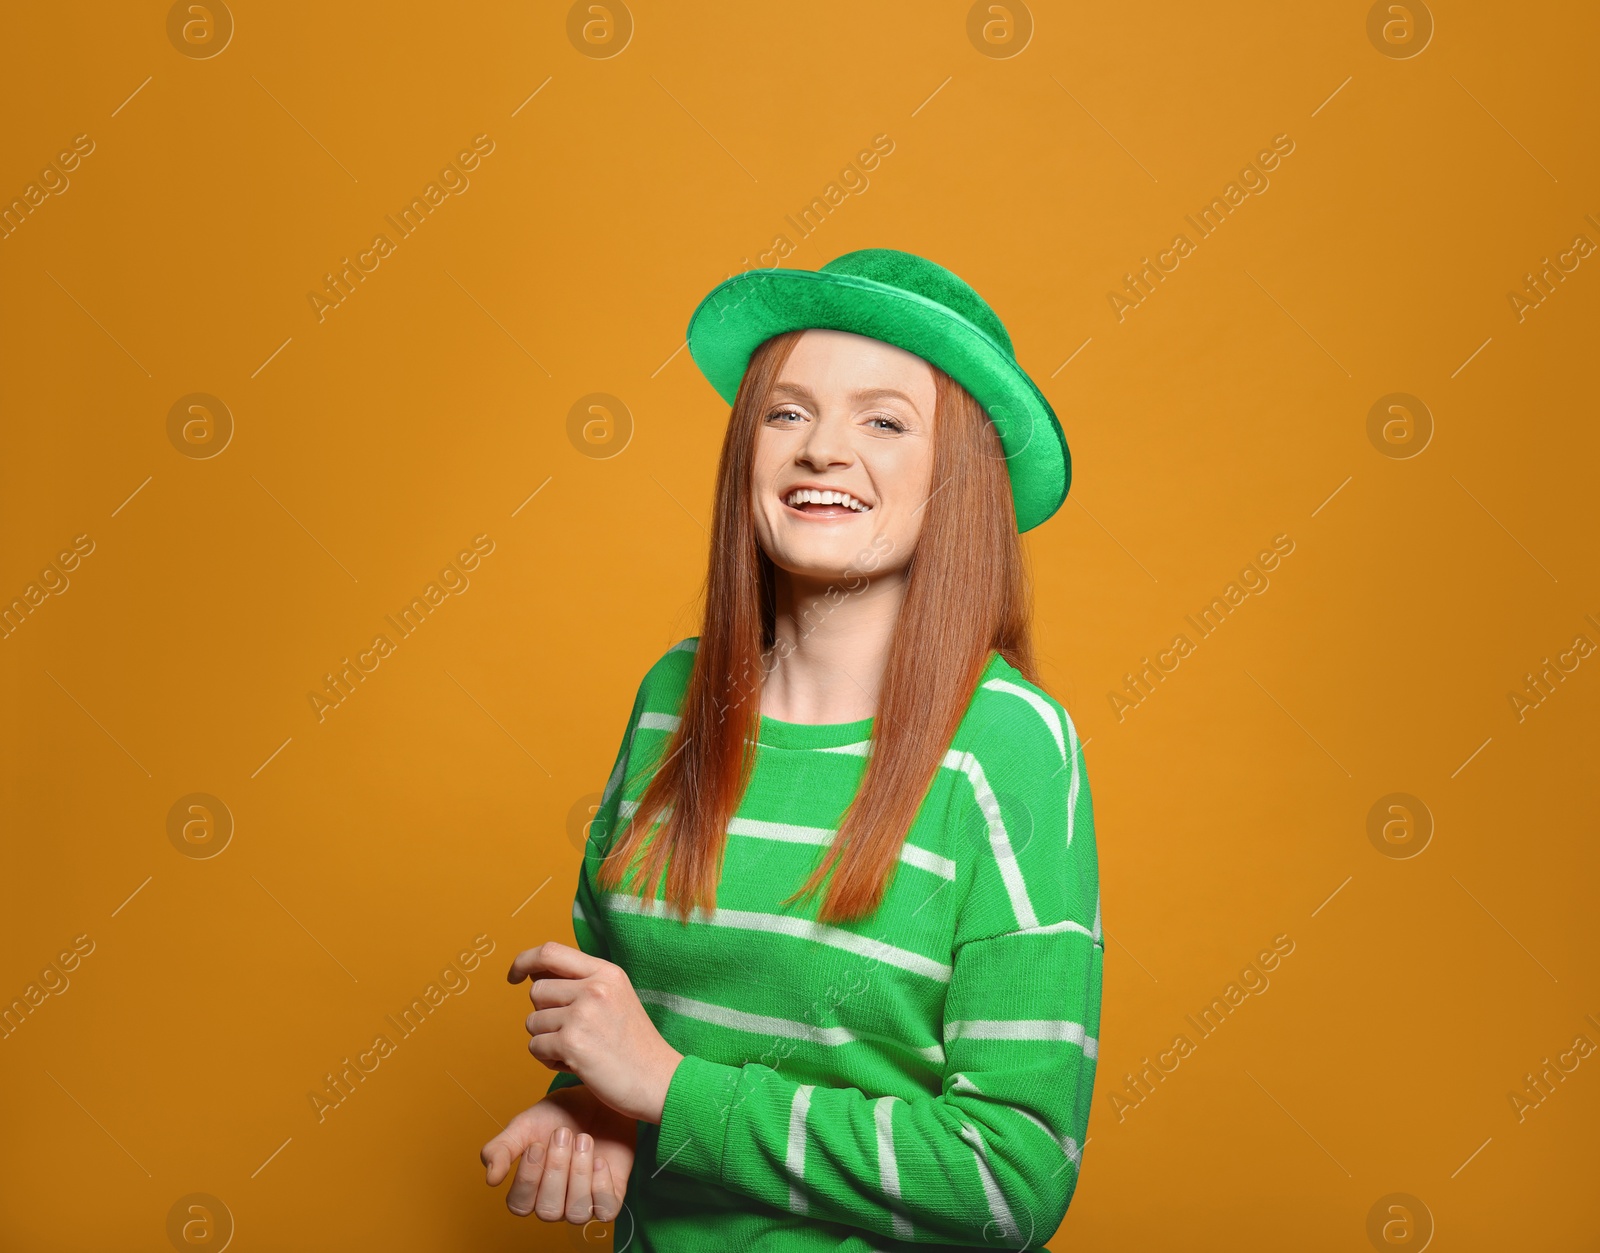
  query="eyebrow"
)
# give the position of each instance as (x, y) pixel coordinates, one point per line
(864, 393)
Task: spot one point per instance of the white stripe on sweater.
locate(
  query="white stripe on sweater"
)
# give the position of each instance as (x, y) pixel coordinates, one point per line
(998, 1209)
(617, 774)
(911, 854)
(889, 1165)
(796, 1158)
(1046, 709)
(1066, 924)
(793, 833)
(784, 924)
(770, 1026)
(1021, 1029)
(1005, 858)
(1077, 774)
(1069, 1147)
(861, 748)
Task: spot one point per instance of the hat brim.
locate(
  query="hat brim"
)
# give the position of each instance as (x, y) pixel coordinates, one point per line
(741, 312)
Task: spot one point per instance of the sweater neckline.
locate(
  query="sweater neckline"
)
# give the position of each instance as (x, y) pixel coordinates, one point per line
(776, 734)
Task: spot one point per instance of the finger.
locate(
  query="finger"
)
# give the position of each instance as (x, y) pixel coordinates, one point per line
(552, 992)
(544, 1030)
(552, 957)
(501, 1152)
(551, 1202)
(546, 1048)
(530, 1172)
(545, 1021)
(580, 1178)
(606, 1200)
(497, 1157)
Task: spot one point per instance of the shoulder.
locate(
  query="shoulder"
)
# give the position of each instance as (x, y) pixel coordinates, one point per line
(1014, 726)
(1029, 826)
(655, 710)
(665, 682)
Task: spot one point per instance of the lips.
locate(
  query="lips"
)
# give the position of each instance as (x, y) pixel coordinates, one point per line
(819, 501)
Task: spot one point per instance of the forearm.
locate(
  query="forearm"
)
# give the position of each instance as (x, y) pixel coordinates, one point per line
(961, 1168)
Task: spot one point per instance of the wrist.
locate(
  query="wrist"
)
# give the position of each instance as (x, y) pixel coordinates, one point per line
(660, 1080)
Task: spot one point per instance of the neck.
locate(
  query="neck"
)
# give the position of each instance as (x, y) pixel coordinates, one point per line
(828, 657)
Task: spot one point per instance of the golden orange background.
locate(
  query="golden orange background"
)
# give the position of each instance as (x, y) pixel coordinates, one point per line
(513, 372)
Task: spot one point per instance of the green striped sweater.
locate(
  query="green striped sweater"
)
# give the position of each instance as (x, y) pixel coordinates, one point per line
(919, 1078)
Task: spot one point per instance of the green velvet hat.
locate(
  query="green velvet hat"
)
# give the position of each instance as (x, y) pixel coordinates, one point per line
(915, 304)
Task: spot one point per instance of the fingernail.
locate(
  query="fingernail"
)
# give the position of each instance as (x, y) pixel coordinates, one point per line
(563, 1136)
(585, 1142)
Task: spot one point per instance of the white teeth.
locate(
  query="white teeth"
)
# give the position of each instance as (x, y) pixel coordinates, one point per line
(813, 496)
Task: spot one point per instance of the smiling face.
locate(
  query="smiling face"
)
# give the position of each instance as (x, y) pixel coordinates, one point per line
(844, 456)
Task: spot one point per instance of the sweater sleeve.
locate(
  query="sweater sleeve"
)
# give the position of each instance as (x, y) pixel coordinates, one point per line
(994, 1155)
(588, 919)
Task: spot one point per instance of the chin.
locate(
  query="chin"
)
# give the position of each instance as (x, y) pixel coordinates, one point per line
(820, 562)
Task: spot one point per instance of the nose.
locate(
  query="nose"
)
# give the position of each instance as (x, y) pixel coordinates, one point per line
(826, 443)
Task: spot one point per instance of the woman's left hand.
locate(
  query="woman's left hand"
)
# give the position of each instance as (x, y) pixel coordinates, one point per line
(588, 1020)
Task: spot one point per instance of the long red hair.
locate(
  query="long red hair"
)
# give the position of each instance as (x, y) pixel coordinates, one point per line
(967, 593)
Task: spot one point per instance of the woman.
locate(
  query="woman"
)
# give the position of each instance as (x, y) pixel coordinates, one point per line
(862, 1013)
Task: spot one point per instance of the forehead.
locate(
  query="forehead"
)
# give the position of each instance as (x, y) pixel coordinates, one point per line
(839, 363)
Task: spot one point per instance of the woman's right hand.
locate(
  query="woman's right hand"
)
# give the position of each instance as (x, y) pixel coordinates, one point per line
(563, 1181)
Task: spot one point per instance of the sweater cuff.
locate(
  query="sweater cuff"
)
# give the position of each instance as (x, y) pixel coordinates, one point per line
(563, 1079)
(694, 1117)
